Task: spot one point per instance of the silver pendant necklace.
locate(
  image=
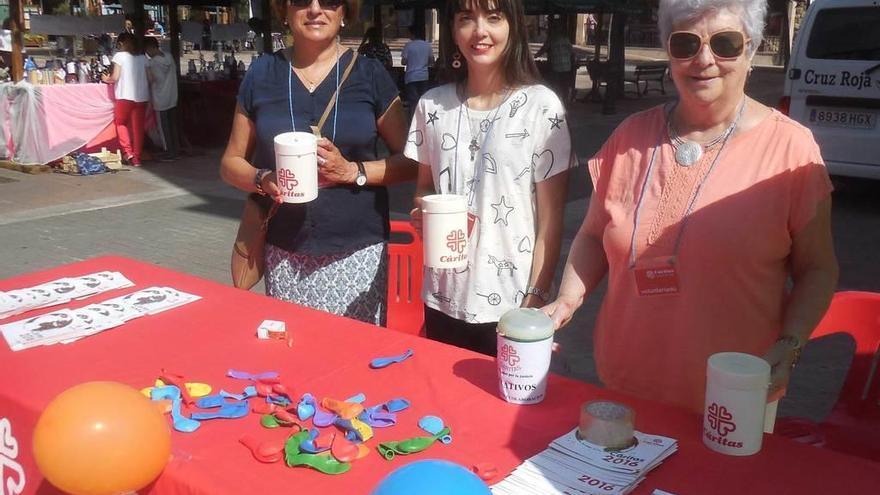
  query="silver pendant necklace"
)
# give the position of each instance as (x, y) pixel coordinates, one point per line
(483, 127)
(687, 152)
(474, 145)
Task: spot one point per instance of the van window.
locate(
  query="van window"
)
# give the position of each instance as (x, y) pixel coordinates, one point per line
(846, 34)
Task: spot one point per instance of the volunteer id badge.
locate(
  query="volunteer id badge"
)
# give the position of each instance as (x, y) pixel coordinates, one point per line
(656, 276)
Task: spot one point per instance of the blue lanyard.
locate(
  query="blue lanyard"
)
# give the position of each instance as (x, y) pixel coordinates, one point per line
(290, 94)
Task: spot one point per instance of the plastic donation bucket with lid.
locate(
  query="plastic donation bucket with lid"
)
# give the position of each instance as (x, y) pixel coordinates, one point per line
(525, 343)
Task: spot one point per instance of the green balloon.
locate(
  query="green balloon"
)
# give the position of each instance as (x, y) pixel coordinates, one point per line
(323, 463)
(269, 421)
(410, 445)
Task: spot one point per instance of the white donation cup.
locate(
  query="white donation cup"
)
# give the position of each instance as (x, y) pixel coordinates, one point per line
(296, 166)
(444, 230)
(736, 397)
(525, 343)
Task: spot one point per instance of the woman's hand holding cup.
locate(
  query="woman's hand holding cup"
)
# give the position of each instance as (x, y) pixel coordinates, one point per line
(781, 357)
(270, 187)
(415, 216)
(332, 166)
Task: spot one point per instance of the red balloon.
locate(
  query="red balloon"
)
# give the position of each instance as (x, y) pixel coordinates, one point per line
(101, 438)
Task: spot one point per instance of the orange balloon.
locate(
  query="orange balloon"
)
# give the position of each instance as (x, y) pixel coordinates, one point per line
(101, 438)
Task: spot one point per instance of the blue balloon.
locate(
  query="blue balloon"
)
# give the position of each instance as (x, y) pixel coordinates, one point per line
(431, 477)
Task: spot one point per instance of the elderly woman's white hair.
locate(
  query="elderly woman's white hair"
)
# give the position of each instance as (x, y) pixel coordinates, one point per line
(752, 13)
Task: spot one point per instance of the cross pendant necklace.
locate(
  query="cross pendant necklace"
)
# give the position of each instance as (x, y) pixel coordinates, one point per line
(473, 148)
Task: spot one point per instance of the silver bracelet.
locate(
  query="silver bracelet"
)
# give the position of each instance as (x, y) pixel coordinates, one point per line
(258, 180)
(541, 294)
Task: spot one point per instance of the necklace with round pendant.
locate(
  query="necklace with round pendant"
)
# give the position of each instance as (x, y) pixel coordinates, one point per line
(688, 153)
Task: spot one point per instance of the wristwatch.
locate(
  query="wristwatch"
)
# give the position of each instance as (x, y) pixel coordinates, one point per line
(361, 179)
(541, 294)
(258, 179)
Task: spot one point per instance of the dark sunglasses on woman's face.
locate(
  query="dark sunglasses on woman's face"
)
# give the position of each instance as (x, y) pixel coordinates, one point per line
(685, 45)
(325, 4)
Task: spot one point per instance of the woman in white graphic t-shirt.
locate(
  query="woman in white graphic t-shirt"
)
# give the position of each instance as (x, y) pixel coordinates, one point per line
(496, 136)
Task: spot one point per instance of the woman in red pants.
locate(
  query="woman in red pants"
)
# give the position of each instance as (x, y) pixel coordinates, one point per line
(132, 93)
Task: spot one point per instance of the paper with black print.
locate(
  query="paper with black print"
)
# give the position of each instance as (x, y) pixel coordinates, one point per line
(60, 291)
(66, 325)
(573, 466)
(45, 329)
(643, 456)
(154, 300)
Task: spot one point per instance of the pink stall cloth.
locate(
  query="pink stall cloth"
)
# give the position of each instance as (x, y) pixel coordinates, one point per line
(6, 91)
(49, 122)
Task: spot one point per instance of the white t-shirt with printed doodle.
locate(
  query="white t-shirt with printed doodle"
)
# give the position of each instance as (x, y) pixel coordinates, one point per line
(494, 158)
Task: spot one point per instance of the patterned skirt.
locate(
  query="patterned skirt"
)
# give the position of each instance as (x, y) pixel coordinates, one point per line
(348, 284)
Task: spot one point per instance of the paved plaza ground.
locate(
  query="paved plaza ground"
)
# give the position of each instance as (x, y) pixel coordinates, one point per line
(181, 216)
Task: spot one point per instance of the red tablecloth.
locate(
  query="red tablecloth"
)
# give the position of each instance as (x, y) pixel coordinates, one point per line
(330, 357)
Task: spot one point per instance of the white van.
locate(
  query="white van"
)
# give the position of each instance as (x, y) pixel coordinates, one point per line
(833, 83)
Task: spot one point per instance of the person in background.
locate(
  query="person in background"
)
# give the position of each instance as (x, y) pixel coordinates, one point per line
(497, 137)
(331, 253)
(710, 216)
(162, 74)
(372, 46)
(205, 45)
(158, 28)
(418, 57)
(560, 55)
(132, 92)
(255, 24)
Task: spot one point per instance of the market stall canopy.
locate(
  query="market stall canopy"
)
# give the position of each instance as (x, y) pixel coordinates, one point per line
(69, 25)
(405, 4)
(194, 3)
(535, 7)
(542, 6)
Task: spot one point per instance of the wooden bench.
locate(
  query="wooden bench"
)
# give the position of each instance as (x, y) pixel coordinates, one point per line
(647, 72)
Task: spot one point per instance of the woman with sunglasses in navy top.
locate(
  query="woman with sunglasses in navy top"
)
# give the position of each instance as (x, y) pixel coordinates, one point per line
(329, 254)
(703, 210)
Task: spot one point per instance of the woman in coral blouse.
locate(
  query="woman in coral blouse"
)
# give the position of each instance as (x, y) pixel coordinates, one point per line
(703, 210)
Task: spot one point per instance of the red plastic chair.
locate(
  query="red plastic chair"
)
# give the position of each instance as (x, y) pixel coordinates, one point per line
(853, 427)
(405, 310)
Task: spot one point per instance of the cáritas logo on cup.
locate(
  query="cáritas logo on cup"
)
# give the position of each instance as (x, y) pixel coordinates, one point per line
(508, 355)
(287, 181)
(456, 241)
(721, 423)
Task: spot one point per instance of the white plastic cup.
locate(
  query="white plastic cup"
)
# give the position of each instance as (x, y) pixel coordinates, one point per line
(296, 166)
(736, 398)
(525, 344)
(444, 231)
